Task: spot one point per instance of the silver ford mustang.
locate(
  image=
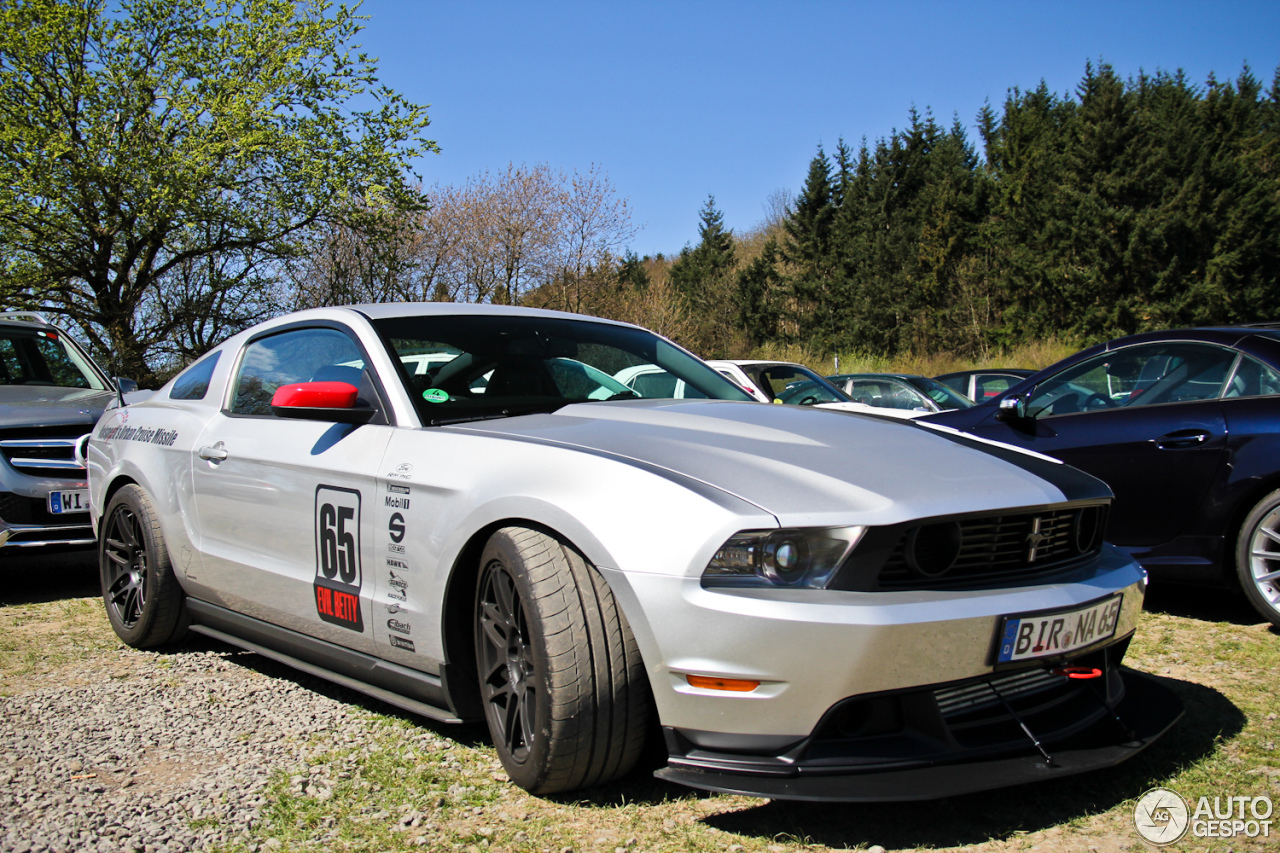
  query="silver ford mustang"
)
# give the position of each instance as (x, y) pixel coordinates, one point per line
(462, 511)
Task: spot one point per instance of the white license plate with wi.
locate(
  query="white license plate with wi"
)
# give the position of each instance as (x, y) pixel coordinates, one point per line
(1038, 635)
(68, 501)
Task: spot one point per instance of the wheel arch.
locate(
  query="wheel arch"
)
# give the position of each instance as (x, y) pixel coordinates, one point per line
(116, 484)
(1244, 505)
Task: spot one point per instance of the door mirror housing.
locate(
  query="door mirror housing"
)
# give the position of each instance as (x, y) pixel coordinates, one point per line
(334, 402)
(1013, 411)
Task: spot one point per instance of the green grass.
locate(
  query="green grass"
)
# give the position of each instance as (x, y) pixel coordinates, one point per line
(1032, 356)
(36, 639)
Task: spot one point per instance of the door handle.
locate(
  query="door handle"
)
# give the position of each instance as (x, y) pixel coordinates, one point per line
(213, 454)
(1182, 439)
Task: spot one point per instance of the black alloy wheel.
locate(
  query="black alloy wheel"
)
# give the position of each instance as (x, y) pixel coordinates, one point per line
(124, 568)
(509, 683)
(560, 675)
(144, 601)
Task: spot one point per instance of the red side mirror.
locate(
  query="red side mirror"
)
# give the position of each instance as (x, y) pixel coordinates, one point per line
(316, 395)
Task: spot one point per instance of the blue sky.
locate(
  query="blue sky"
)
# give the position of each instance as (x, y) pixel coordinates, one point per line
(678, 100)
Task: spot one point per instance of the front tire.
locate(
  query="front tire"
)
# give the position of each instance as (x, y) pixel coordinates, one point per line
(563, 687)
(1258, 557)
(143, 599)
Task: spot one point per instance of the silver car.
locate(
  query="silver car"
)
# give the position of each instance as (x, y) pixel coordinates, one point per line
(461, 511)
(51, 394)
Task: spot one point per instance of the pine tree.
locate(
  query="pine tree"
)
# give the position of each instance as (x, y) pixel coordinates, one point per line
(702, 278)
(807, 251)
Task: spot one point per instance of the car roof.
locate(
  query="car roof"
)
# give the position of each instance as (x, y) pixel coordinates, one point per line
(988, 371)
(1225, 335)
(751, 362)
(384, 310)
(875, 376)
(25, 319)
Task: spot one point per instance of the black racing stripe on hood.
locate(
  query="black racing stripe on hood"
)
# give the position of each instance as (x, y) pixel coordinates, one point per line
(1075, 484)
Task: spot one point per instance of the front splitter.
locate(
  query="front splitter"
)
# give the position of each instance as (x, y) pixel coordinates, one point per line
(1148, 710)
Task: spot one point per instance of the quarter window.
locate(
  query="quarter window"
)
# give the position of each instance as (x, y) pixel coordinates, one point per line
(193, 383)
(1253, 379)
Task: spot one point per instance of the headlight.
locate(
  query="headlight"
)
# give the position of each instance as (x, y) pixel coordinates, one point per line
(781, 558)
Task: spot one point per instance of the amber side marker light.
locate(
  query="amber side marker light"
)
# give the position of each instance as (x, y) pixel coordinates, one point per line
(736, 685)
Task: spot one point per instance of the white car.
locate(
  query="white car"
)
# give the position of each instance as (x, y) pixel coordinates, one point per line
(796, 385)
(807, 604)
(902, 394)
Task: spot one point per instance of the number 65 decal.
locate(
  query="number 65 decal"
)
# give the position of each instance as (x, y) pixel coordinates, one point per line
(338, 572)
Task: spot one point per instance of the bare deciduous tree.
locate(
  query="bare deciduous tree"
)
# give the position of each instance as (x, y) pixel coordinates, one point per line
(495, 238)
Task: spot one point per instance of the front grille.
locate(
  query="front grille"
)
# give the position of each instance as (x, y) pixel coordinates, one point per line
(975, 552)
(46, 452)
(16, 509)
(977, 716)
(978, 696)
(995, 548)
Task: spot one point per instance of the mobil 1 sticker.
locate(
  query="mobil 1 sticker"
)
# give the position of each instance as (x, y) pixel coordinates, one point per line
(338, 573)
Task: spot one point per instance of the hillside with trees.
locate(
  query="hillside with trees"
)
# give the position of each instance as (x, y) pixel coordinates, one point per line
(1133, 205)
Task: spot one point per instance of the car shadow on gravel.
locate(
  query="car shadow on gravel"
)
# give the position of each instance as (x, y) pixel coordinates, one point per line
(37, 577)
(463, 734)
(1004, 813)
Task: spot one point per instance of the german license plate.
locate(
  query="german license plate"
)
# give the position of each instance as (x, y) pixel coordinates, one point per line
(69, 501)
(1038, 635)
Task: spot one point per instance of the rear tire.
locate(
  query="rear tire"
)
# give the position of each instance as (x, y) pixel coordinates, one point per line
(1258, 557)
(144, 602)
(561, 680)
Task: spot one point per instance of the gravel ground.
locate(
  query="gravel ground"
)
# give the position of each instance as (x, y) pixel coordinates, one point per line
(141, 760)
(124, 750)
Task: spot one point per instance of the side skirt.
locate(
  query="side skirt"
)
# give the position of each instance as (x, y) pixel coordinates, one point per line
(408, 689)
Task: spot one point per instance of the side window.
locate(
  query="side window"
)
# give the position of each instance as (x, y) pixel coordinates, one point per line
(776, 379)
(300, 355)
(657, 385)
(10, 367)
(1253, 379)
(193, 383)
(1136, 376)
(991, 386)
(867, 392)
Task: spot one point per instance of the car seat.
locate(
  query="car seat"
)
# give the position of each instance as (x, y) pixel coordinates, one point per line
(525, 378)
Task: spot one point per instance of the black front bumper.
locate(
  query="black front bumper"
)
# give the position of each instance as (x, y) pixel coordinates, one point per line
(946, 741)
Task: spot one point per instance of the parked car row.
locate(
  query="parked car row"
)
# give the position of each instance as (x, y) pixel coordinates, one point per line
(891, 394)
(982, 385)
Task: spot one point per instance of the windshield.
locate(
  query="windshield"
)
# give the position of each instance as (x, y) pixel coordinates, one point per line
(944, 396)
(44, 357)
(810, 392)
(793, 384)
(470, 367)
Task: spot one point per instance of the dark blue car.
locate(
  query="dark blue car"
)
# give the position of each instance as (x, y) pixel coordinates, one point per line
(1184, 426)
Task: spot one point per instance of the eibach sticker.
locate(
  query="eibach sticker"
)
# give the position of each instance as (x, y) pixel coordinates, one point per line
(338, 571)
